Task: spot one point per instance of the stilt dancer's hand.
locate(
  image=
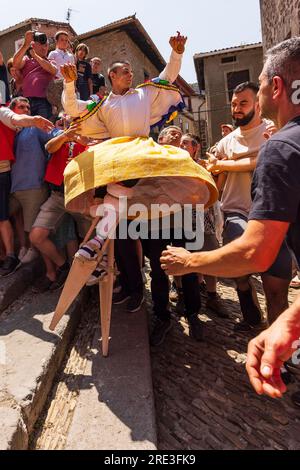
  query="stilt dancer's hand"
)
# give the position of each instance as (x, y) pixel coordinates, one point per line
(69, 72)
(178, 43)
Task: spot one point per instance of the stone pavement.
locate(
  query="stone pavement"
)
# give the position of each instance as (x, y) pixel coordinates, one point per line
(202, 394)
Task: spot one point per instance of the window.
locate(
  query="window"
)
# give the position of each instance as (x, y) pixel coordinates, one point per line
(228, 59)
(234, 79)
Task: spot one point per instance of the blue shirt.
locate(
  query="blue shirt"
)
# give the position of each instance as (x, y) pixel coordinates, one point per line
(28, 171)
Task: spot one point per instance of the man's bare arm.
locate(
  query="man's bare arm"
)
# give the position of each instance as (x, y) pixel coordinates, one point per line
(254, 251)
(172, 69)
(234, 166)
(18, 61)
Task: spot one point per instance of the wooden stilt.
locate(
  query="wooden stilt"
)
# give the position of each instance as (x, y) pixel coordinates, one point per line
(106, 291)
(78, 275)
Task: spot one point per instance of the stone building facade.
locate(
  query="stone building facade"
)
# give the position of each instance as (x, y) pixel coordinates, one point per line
(218, 73)
(280, 20)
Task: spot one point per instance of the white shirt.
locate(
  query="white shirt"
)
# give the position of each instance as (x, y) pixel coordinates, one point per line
(60, 58)
(131, 114)
(6, 116)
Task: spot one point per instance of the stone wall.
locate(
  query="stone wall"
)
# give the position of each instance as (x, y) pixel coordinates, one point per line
(280, 20)
(116, 46)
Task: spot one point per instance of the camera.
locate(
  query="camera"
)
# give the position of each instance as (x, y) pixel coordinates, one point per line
(41, 38)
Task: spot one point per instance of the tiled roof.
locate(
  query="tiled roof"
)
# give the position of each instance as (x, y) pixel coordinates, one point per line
(228, 49)
(33, 20)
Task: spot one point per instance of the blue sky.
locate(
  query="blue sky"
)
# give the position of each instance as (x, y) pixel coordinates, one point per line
(209, 24)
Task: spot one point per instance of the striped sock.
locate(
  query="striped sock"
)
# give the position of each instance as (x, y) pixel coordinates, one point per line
(87, 251)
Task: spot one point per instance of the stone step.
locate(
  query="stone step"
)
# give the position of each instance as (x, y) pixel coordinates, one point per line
(13, 286)
(30, 356)
(115, 408)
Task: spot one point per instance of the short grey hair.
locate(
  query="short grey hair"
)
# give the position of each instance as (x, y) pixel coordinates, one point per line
(164, 131)
(283, 60)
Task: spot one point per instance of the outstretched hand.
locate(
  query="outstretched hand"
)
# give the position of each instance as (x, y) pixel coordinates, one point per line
(178, 43)
(42, 123)
(266, 355)
(69, 72)
(173, 261)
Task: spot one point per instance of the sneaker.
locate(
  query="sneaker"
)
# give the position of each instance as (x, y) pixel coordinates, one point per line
(180, 305)
(250, 307)
(9, 266)
(214, 303)
(61, 276)
(173, 294)
(120, 298)
(244, 327)
(135, 302)
(117, 287)
(202, 287)
(30, 255)
(196, 327)
(296, 399)
(144, 277)
(22, 252)
(161, 328)
(295, 282)
(42, 285)
(99, 273)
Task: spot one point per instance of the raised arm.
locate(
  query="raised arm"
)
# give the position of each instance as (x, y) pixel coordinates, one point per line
(172, 69)
(19, 55)
(72, 106)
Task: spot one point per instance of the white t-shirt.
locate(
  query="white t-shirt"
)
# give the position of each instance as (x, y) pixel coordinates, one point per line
(60, 58)
(239, 144)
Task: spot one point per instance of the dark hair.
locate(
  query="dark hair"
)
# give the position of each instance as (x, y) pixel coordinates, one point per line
(83, 47)
(60, 33)
(246, 86)
(16, 100)
(114, 66)
(283, 60)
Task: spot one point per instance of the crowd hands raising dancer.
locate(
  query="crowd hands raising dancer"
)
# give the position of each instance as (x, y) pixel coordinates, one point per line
(143, 106)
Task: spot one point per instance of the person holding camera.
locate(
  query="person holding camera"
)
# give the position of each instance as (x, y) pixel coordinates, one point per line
(37, 71)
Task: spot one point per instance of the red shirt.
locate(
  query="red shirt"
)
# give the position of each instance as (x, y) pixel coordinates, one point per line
(7, 136)
(58, 162)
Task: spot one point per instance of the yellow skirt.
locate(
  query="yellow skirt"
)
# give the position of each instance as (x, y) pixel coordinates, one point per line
(166, 174)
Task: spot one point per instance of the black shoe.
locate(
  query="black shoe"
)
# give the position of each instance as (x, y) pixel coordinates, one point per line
(120, 297)
(180, 306)
(214, 303)
(244, 326)
(159, 332)
(286, 377)
(196, 327)
(42, 285)
(296, 399)
(135, 302)
(9, 266)
(202, 287)
(61, 276)
(250, 308)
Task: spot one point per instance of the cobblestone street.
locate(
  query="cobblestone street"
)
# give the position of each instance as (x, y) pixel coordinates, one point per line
(202, 394)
